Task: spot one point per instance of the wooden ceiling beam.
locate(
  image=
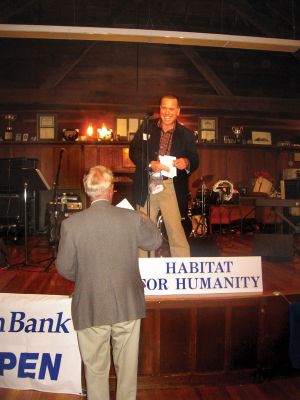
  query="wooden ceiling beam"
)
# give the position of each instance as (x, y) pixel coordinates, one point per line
(59, 74)
(205, 70)
(279, 12)
(16, 10)
(261, 23)
(55, 32)
(201, 65)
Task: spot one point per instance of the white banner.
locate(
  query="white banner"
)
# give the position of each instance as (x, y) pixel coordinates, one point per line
(201, 275)
(38, 344)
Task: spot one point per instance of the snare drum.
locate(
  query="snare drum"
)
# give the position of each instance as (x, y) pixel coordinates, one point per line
(186, 224)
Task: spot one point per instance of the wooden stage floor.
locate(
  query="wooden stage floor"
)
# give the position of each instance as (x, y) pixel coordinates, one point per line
(39, 276)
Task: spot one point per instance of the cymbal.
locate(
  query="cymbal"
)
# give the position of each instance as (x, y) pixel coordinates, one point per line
(203, 179)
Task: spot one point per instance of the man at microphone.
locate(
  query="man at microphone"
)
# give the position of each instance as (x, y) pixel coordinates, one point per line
(155, 138)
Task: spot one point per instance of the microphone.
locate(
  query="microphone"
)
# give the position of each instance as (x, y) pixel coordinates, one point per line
(146, 118)
(148, 115)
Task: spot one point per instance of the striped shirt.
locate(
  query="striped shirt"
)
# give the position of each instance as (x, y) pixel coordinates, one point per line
(166, 138)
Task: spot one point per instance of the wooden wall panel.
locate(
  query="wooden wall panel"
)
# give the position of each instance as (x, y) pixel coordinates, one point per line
(235, 163)
(210, 339)
(239, 164)
(90, 157)
(276, 332)
(107, 155)
(71, 167)
(175, 333)
(192, 341)
(5, 151)
(149, 343)
(244, 337)
(236, 166)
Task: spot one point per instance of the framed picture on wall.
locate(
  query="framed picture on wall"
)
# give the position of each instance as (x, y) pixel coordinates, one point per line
(208, 129)
(25, 137)
(46, 126)
(261, 137)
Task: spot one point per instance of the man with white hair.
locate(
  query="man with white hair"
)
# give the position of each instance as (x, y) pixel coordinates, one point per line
(98, 250)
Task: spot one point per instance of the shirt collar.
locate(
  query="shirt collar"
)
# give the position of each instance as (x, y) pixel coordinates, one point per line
(97, 201)
(171, 130)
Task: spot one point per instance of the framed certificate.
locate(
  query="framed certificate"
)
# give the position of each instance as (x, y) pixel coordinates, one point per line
(208, 129)
(46, 126)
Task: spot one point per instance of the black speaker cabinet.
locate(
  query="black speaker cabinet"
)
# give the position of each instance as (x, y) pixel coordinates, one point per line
(7, 167)
(275, 247)
(11, 212)
(292, 188)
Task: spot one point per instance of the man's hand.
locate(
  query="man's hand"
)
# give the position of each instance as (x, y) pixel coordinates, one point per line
(156, 166)
(181, 163)
(143, 215)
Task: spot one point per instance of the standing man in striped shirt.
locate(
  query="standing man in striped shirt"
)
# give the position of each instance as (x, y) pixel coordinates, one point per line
(160, 137)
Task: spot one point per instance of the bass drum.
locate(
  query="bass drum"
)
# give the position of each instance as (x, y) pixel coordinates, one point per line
(186, 224)
(199, 225)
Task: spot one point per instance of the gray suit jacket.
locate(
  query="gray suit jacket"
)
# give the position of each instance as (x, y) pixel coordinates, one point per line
(98, 250)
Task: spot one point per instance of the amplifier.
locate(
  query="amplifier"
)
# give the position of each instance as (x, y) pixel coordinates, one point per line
(74, 206)
(71, 197)
(54, 217)
(291, 173)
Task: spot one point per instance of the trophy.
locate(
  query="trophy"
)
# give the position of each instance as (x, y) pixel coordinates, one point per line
(8, 134)
(238, 132)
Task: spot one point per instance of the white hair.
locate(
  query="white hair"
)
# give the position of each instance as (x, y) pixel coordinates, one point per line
(98, 180)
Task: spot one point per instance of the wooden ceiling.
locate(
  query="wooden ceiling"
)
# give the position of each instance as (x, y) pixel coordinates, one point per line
(41, 74)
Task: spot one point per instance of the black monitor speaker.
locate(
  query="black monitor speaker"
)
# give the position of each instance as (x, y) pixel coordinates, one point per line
(292, 188)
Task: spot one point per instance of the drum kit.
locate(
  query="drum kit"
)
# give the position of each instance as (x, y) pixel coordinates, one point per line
(196, 223)
(198, 209)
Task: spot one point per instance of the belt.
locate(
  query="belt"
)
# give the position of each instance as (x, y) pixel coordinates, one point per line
(166, 178)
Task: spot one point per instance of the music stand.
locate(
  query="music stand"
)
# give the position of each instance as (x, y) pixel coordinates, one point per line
(28, 179)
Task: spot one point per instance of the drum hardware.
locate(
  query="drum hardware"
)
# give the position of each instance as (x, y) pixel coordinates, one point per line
(223, 190)
(185, 221)
(195, 223)
(203, 179)
(198, 213)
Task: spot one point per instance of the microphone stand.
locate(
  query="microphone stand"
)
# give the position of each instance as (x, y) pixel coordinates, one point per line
(30, 179)
(54, 201)
(25, 262)
(147, 163)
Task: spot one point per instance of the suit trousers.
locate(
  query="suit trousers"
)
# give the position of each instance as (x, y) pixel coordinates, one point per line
(166, 202)
(95, 344)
